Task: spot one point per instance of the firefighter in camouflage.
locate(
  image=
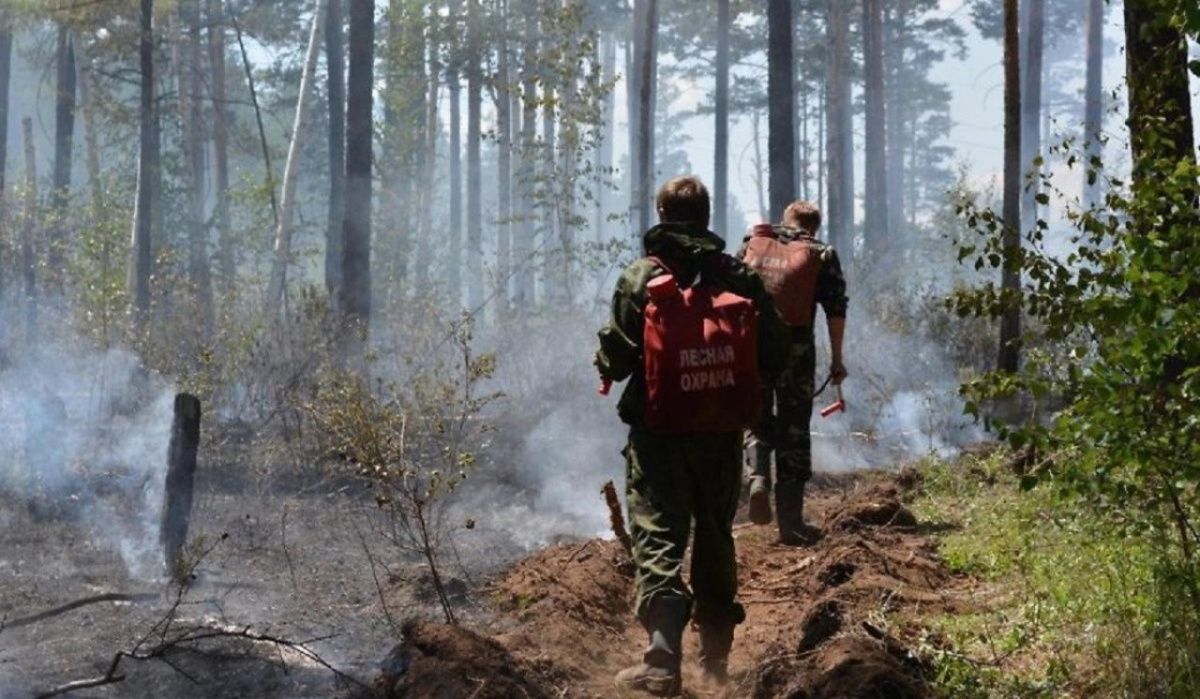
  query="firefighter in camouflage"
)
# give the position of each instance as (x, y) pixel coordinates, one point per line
(801, 272)
(672, 479)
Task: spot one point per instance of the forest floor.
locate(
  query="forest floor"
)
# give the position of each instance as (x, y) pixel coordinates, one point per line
(888, 604)
(841, 618)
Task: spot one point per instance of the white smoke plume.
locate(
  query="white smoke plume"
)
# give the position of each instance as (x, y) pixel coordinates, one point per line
(83, 436)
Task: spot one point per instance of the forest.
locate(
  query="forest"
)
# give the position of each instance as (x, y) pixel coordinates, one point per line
(299, 300)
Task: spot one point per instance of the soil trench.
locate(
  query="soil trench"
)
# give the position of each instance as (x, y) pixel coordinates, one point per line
(835, 619)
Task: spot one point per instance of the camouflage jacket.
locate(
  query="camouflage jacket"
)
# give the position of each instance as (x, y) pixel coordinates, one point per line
(831, 283)
(686, 248)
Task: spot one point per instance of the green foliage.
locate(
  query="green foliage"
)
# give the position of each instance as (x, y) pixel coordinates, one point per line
(412, 440)
(1114, 389)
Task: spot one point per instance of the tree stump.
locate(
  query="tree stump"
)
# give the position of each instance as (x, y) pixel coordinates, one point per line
(181, 471)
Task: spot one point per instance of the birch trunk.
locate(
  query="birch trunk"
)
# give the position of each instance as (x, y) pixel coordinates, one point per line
(291, 171)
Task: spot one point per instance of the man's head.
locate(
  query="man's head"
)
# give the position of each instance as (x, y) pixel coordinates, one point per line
(803, 215)
(683, 200)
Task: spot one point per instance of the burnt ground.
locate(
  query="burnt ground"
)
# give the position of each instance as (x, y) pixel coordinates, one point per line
(286, 560)
(837, 619)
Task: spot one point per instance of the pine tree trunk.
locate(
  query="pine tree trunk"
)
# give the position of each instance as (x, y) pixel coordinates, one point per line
(335, 61)
(503, 160)
(455, 242)
(1093, 115)
(608, 62)
(1010, 322)
(474, 141)
(425, 228)
(894, 50)
(647, 33)
(1160, 109)
(291, 171)
(190, 88)
(356, 253)
(1031, 112)
(64, 139)
(140, 252)
(29, 222)
(875, 208)
(525, 292)
(6, 44)
(781, 132)
(226, 263)
(839, 159)
(721, 117)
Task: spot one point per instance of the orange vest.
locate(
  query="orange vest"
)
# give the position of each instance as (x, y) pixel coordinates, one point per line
(789, 270)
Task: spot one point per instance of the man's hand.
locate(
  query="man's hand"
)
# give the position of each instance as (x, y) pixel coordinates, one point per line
(837, 372)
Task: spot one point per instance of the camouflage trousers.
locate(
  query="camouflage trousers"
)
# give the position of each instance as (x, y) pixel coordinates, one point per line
(672, 480)
(787, 412)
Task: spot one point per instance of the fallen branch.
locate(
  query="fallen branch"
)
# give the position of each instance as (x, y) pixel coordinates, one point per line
(615, 518)
(63, 609)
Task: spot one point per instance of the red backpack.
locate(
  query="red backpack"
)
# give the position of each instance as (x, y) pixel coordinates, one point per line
(701, 358)
(788, 270)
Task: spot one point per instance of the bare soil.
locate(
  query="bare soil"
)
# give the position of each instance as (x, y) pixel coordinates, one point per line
(835, 620)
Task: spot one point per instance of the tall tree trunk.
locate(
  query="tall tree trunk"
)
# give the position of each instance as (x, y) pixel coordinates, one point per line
(721, 118)
(896, 114)
(839, 160)
(1093, 114)
(1010, 322)
(760, 179)
(608, 63)
(646, 31)
(455, 246)
(356, 252)
(1160, 110)
(190, 88)
(91, 144)
(226, 264)
(291, 171)
(525, 291)
(875, 208)
(28, 254)
(474, 141)
(140, 252)
(335, 62)
(503, 160)
(1031, 112)
(64, 140)
(781, 131)
(432, 131)
(6, 43)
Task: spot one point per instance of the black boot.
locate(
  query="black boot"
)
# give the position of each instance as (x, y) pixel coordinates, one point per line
(789, 505)
(658, 673)
(760, 485)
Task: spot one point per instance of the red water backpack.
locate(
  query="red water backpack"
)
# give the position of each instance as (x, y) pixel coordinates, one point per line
(789, 270)
(701, 358)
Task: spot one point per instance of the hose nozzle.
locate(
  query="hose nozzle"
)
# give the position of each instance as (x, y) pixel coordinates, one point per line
(838, 406)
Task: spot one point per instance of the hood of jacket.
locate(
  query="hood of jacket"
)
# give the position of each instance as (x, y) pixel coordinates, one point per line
(682, 245)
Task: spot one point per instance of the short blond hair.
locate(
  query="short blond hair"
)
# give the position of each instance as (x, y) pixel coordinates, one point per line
(803, 215)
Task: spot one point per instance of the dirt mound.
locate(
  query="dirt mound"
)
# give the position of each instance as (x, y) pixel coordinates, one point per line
(875, 506)
(435, 660)
(852, 667)
(824, 621)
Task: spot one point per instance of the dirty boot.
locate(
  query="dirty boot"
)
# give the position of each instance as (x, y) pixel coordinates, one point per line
(658, 673)
(760, 486)
(789, 505)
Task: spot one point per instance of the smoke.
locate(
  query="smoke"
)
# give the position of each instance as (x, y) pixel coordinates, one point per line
(83, 436)
(558, 442)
